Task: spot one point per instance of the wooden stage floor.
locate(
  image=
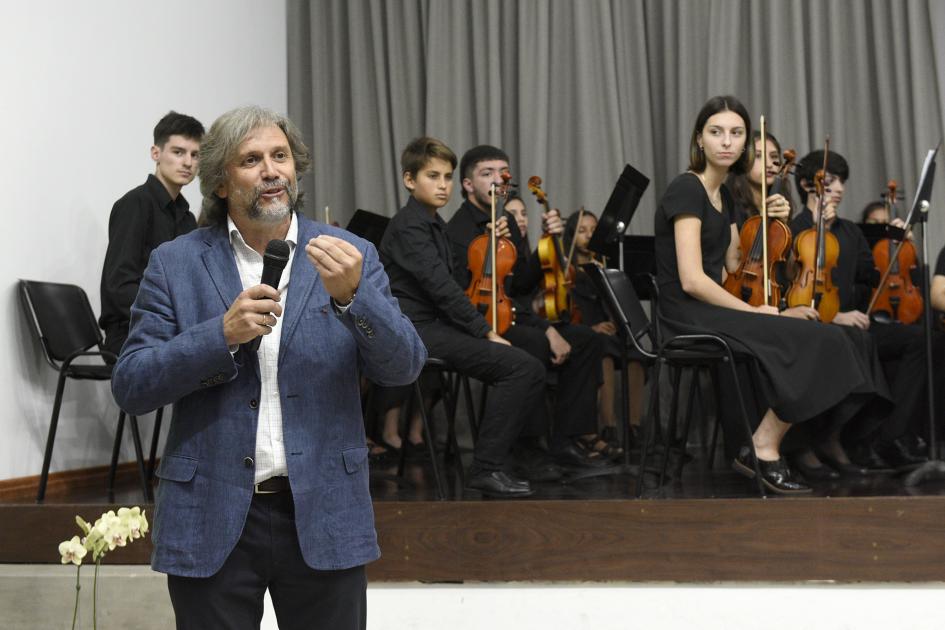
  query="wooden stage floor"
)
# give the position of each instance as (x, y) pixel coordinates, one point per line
(707, 526)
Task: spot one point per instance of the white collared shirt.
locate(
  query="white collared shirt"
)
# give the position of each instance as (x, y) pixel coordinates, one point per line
(270, 449)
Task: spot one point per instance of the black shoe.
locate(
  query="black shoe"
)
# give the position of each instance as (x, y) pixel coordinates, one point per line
(849, 469)
(865, 456)
(416, 452)
(776, 476)
(535, 464)
(498, 483)
(814, 473)
(898, 455)
(574, 457)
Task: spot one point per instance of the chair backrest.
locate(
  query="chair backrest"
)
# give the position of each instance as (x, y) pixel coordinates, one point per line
(624, 306)
(61, 317)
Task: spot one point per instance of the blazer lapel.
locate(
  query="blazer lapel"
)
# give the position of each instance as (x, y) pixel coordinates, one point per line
(305, 288)
(221, 266)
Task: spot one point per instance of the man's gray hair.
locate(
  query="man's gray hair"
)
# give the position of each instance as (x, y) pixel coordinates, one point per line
(220, 144)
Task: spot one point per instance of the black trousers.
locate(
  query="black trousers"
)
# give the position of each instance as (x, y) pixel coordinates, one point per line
(268, 556)
(902, 351)
(114, 339)
(578, 379)
(516, 386)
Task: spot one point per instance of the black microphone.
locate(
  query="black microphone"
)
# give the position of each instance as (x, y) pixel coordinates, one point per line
(274, 261)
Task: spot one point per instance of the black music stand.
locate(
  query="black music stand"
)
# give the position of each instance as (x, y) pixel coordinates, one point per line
(934, 468)
(615, 219)
(368, 225)
(610, 231)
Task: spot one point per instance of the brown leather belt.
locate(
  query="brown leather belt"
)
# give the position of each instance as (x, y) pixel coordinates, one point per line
(272, 485)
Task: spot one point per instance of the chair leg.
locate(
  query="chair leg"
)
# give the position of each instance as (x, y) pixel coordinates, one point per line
(694, 405)
(717, 389)
(431, 447)
(155, 436)
(746, 423)
(51, 438)
(471, 413)
(116, 447)
(406, 411)
(647, 426)
(450, 405)
(139, 456)
(672, 427)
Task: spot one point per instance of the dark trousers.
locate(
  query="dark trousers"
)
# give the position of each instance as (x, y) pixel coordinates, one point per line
(902, 350)
(578, 379)
(114, 339)
(268, 556)
(516, 386)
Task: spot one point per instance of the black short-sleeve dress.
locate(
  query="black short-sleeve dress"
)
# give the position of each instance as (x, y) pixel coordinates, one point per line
(806, 368)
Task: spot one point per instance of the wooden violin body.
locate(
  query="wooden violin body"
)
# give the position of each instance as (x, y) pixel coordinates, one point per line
(557, 272)
(747, 282)
(479, 290)
(897, 297)
(813, 285)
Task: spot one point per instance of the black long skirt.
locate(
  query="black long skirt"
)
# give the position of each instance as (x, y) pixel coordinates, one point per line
(805, 368)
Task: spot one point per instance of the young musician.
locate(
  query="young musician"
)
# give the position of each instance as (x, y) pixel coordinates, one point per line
(417, 256)
(746, 187)
(573, 352)
(901, 348)
(145, 217)
(595, 315)
(805, 368)
(875, 213)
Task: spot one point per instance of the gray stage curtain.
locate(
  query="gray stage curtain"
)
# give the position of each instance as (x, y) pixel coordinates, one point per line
(572, 90)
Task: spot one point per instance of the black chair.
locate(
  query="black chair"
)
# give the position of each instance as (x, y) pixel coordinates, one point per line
(65, 325)
(683, 352)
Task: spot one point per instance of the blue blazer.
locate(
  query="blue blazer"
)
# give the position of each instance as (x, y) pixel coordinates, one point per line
(176, 353)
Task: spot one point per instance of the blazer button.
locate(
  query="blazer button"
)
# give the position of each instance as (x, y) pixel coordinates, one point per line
(248, 462)
(253, 403)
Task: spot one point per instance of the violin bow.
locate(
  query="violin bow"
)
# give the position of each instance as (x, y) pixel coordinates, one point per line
(764, 211)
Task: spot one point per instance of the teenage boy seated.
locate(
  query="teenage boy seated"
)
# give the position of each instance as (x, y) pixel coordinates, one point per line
(417, 256)
(574, 352)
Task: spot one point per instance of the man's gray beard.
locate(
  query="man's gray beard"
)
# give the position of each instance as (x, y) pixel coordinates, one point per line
(273, 214)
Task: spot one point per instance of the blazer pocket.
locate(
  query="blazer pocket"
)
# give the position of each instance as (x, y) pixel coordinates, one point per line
(355, 458)
(178, 468)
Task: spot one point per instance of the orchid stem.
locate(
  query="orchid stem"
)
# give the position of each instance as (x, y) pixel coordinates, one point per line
(78, 587)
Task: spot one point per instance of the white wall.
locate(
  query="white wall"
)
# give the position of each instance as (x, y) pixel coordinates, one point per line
(83, 85)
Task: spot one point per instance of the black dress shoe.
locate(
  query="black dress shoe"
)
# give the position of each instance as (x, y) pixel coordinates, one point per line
(814, 473)
(574, 457)
(498, 483)
(849, 469)
(865, 455)
(776, 476)
(898, 455)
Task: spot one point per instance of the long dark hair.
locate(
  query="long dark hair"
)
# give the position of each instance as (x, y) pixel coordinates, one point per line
(742, 189)
(713, 106)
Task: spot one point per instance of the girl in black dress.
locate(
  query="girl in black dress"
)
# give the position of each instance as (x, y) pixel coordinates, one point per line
(805, 368)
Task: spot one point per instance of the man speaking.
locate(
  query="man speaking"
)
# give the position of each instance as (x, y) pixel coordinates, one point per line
(264, 478)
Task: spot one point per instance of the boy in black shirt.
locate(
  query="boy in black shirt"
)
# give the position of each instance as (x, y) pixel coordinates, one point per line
(901, 348)
(145, 217)
(574, 352)
(418, 260)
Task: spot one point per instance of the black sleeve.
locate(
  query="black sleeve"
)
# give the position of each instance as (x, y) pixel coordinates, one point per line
(685, 196)
(415, 253)
(866, 277)
(125, 261)
(459, 246)
(526, 275)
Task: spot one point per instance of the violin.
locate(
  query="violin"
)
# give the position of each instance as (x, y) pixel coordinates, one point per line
(557, 272)
(490, 260)
(897, 298)
(816, 251)
(764, 249)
